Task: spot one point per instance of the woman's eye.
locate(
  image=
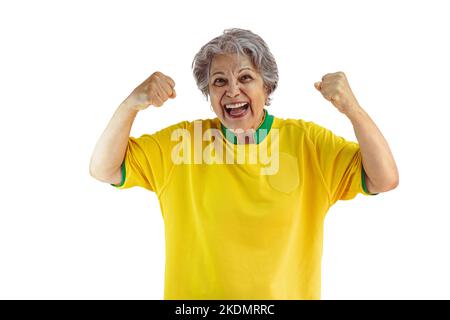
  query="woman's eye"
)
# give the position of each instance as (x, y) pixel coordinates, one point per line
(243, 78)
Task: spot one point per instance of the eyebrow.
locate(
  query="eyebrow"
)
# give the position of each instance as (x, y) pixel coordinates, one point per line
(220, 72)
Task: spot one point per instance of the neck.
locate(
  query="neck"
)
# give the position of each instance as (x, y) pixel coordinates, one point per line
(251, 135)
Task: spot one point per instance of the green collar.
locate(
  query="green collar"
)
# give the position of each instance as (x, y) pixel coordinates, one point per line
(260, 133)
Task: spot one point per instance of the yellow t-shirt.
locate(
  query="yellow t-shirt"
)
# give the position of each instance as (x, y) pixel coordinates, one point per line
(231, 231)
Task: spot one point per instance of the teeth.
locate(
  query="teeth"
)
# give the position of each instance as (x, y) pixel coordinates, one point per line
(237, 105)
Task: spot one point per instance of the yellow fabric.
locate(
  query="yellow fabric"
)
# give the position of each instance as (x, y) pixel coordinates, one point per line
(233, 233)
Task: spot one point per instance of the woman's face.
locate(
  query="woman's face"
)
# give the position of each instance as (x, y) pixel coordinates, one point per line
(233, 80)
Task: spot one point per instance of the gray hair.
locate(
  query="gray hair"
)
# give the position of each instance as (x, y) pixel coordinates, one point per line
(241, 42)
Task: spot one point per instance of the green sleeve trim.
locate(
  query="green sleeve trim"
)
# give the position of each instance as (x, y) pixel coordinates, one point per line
(363, 180)
(124, 173)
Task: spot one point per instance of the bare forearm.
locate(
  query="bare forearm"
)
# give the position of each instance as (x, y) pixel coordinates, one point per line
(111, 147)
(377, 158)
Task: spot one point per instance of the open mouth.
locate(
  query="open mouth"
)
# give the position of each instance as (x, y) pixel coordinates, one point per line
(237, 112)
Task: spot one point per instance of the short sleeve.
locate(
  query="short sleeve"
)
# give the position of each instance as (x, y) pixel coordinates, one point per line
(340, 163)
(147, 161)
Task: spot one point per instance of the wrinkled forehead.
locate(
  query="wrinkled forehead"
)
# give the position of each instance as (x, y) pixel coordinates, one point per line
(226, 63)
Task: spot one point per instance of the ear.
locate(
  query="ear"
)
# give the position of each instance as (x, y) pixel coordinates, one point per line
(266, 94)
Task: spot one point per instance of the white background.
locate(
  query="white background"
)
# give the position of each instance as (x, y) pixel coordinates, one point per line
(66, 66)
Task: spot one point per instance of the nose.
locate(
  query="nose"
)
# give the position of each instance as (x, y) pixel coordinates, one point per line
(234, 89)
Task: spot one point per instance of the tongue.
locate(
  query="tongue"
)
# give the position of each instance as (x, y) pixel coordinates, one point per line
(237, 111)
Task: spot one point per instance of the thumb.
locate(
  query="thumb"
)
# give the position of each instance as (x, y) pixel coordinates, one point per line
(174, 94)
(318, 85)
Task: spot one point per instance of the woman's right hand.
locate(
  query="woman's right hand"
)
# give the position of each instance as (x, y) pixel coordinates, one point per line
(155, 90)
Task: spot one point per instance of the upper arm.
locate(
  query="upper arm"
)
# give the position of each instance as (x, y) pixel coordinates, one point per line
(112, 178)
(369, 185)
(373, 189)
(116, 178)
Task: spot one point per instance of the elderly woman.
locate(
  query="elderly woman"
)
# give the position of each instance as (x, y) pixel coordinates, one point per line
(244, 195)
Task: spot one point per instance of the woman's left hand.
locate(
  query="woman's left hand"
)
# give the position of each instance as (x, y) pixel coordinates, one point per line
(336, 89)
